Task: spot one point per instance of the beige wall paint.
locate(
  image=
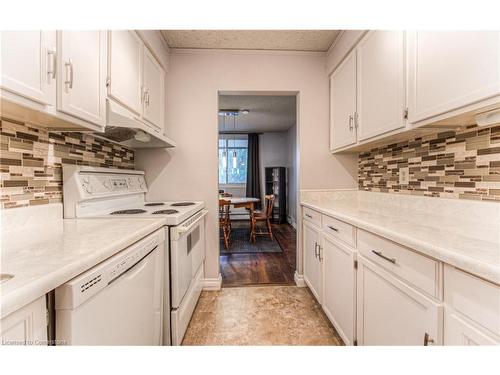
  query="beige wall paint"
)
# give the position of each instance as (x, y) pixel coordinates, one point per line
(190, 170)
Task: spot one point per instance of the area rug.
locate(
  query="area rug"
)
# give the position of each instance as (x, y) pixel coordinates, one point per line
(240, 243)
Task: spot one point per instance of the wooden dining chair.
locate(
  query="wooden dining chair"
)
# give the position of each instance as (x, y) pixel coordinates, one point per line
(263, 215)
(225, 220)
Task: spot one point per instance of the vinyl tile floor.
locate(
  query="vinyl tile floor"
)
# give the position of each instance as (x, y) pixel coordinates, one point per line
(264, 315)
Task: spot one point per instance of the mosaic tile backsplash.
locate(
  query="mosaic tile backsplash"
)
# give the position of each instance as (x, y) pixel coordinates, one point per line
(463, 164)
(31, 159)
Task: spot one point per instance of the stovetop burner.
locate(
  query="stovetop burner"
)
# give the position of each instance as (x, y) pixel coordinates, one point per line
(165, 212)
(128, 212)
(180, 204)
(154, 204)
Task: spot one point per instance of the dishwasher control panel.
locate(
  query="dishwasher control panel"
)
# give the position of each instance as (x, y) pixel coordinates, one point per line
(81, 288)
(129, 261)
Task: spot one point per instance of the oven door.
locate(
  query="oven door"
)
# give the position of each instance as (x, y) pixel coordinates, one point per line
(187, 249)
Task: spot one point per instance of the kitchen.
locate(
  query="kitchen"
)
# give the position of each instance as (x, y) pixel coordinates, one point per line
(109, 147)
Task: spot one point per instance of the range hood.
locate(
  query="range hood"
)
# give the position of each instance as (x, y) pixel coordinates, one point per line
(124, 128)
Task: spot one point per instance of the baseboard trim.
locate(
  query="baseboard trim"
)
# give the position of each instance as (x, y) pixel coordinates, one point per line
(212, 283)
(299, 280)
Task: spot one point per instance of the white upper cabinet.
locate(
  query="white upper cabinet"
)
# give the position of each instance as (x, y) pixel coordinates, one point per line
(343, 104)
(367, 90)
(125, 69)
(339, 287)
(154, 91)
(136, 79)
(450, 70)
(312, 264)
(82, 75)
(380, 83)
(28, 63)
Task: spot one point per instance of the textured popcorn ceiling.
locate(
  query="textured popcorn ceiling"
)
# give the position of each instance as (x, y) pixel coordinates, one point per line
(267, 113)
(284, 40)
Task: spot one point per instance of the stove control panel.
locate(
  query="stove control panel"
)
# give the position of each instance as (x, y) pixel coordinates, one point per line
(102, 184)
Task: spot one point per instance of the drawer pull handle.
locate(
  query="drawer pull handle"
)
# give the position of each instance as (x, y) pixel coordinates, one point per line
(316, 249)
(309, 216)
(427, 339)
(379, 253)
(332, 228)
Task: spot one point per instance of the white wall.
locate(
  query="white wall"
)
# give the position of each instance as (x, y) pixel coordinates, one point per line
(190, 170)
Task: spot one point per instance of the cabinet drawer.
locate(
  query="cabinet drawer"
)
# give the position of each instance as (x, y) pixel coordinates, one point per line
(415, 268)
(477, 299)
(312, 216)
(339, 229)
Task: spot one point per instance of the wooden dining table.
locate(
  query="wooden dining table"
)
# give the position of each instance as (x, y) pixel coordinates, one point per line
(247, 202)
(238, 202)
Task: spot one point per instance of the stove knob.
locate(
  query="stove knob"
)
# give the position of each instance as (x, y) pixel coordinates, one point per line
(86, 179)
(107, 184)
(141, 183)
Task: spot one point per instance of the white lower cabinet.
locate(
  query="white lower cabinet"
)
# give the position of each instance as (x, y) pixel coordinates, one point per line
(339, 296)
(378, 292)
(389, 312)
(26, 326)
(312, 264)
(457, 331)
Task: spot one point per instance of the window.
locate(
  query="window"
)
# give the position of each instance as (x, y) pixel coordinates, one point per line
(233, 160)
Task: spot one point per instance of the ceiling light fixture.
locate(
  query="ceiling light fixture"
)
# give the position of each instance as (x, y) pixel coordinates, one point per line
(233, 112)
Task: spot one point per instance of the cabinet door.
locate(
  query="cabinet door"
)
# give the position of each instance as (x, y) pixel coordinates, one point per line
(26, 326)
(343, 103)
(28, 61)
(339, 288)
(312, 265)
(125, 69)
(82, 75)
(154, 91)
(458, 332)
(391, 313)
(380, 83)
(449, 70)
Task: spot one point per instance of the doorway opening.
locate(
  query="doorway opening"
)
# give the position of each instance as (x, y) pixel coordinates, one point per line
(258, 187)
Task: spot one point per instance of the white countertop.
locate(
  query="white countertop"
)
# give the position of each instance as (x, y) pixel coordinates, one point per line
(43, 256)
(465, 234)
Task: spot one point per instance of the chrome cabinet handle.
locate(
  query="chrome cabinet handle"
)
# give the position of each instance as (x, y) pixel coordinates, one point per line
(69, 82)
(309, 216)
(147, 97)
(350, 122)
(356, 122)
(379, 253)
(51, 63)
(319, 254)
(427, 339)
(315, 249)
(332, 228)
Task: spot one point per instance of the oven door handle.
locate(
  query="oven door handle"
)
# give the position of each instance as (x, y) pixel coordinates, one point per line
(190, 223)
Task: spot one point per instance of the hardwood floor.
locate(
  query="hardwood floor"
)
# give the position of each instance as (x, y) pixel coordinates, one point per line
(262, 268)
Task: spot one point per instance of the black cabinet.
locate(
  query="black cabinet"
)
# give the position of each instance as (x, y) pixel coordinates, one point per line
(276, 184)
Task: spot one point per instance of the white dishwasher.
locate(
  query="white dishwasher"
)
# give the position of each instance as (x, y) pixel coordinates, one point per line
(117, 302)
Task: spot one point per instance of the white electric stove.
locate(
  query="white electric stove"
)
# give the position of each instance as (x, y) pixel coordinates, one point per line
(94, 192)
